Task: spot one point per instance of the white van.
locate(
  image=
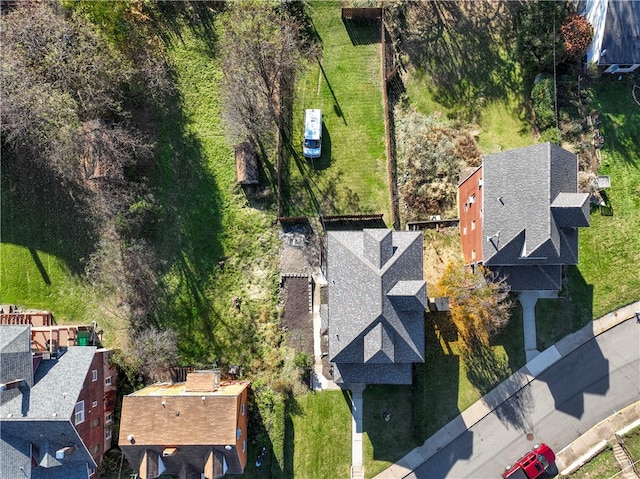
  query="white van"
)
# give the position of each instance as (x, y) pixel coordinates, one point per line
(312, 133)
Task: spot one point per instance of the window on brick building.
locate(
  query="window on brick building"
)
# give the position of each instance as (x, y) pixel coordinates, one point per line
(79, 413)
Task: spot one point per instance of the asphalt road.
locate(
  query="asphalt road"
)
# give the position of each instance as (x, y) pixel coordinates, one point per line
(599, 378)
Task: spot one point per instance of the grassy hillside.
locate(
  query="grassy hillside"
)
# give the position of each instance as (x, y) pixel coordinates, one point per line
(216, 245)
(47, 236)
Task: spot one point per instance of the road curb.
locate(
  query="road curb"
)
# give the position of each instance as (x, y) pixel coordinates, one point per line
(633, 410)
(582, 460)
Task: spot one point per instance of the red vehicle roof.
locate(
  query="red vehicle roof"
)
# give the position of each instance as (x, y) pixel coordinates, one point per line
(530, 463)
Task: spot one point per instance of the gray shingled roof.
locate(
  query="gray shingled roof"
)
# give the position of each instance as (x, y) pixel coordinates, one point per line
(56, 388)
(39, 413)
(15, 358)
(377, 300)
(621, 38)
(531, 209)
(48, 436)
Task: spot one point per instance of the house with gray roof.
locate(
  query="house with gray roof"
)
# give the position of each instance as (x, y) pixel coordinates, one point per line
(51, 408)
(377, 301)
(519, 215)
(616, 34)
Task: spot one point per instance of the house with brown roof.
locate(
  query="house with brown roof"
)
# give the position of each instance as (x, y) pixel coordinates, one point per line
(193, 429)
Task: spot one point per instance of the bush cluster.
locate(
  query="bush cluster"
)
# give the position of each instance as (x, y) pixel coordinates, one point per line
(542, 99)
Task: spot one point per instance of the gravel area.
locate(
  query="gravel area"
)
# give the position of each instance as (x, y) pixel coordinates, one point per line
(298, 260)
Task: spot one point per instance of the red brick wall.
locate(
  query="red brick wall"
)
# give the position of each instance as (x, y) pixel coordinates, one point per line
(470, 214)
(242, 424)
(92, 430)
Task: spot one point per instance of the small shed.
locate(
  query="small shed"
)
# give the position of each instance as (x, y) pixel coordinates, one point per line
(246, 164)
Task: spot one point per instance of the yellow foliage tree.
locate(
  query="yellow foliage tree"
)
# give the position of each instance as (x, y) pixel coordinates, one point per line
(479, 302)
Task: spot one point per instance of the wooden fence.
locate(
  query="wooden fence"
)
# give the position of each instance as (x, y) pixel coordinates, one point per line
(361, 13)
(431, 224)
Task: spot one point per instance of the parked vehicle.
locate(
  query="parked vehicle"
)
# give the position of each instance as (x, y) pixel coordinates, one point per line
(312, 133)
(537, 463)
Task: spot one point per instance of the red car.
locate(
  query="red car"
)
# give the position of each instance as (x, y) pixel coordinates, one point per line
(536, 463)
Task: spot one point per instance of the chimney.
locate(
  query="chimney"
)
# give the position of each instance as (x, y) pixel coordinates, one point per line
(65, 451)
(203, 381)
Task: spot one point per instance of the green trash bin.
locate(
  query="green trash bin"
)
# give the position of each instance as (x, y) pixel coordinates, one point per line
(83, 338)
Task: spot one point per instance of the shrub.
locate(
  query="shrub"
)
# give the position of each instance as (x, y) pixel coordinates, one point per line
(577, 34)
(552, 134)
(431, 151)
(542, 98)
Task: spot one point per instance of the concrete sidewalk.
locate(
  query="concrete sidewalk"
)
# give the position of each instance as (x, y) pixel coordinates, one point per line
(481, 408)
(592, 442)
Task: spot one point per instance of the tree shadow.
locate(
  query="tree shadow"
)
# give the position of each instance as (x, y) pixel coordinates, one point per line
(613, 99)
(511, 337)
(191, 221)
(491, 376)
(43, 213)
(458, 45)
(336, 104)
(572, 310)
(319, 191)
(259, 438)
(170, 17)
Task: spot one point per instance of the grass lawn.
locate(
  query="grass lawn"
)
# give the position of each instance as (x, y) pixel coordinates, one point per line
(351, 175)
(208, 220)
(499, 120)
(632, 441)
(603, 466)
(318, 436)
(610, 247)
(448, 381)
(36, 279)
(387, 437)
(555, 318)
(47, 238)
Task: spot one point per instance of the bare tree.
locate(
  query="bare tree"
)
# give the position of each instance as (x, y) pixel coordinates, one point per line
(60, 79)
(262, 50)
